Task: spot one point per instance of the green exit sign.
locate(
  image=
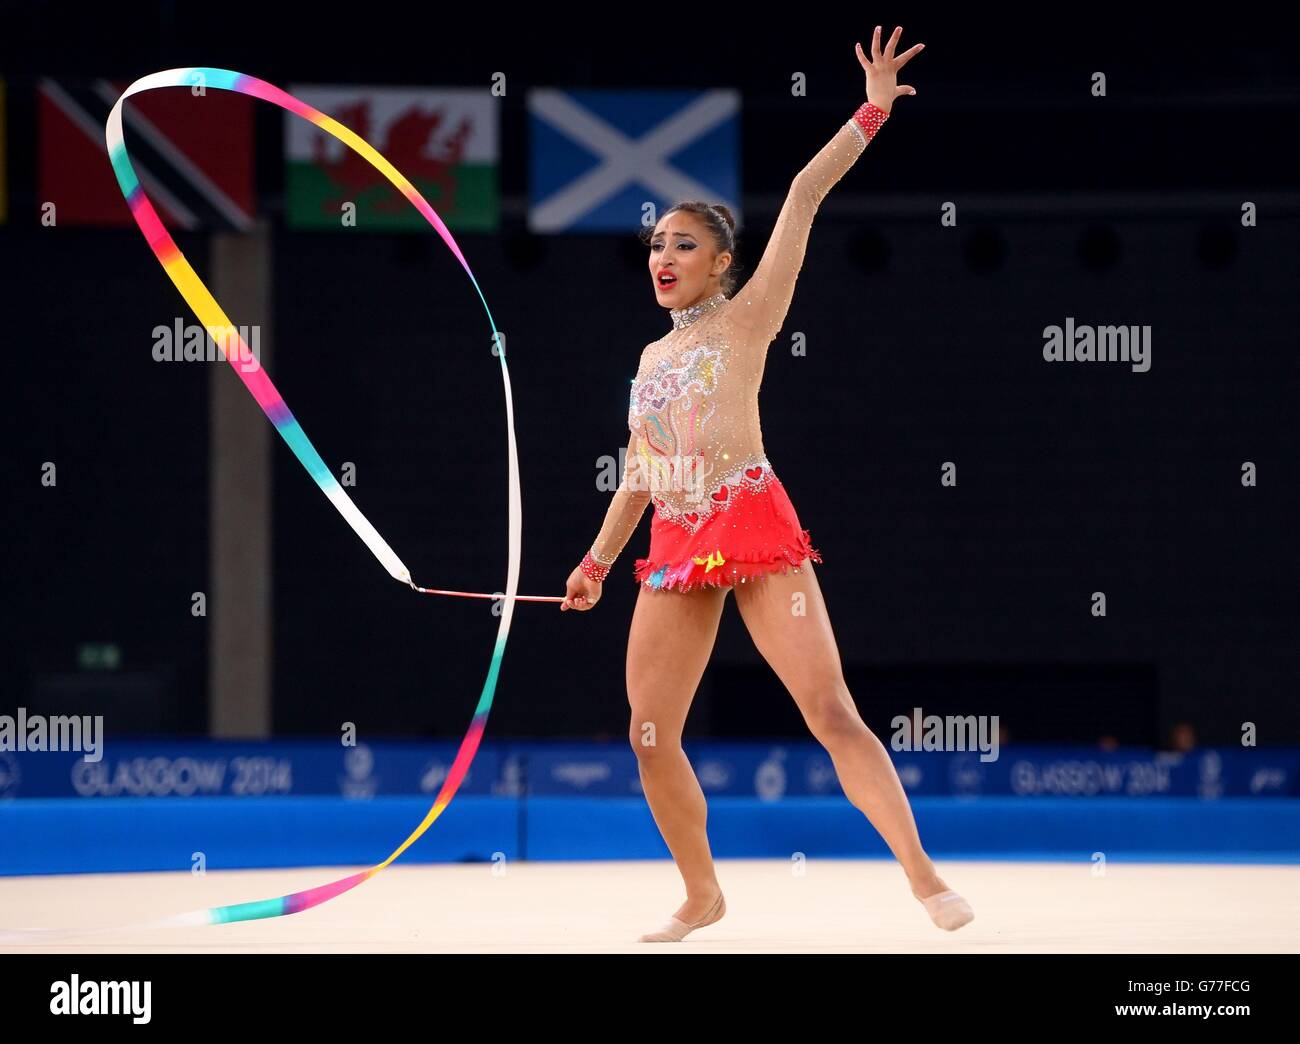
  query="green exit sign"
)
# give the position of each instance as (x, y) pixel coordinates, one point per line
(98, 656)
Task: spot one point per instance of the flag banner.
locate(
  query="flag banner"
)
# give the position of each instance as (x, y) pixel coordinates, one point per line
(443, 140)
(596, 158)
(192, 150)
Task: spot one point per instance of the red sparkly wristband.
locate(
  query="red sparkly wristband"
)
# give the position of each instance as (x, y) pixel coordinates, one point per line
(592, 569)
(870, 118)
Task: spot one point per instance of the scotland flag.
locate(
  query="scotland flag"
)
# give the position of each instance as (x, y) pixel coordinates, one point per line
(597, 157)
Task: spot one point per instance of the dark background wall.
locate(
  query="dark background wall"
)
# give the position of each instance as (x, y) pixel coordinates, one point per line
(924, 345)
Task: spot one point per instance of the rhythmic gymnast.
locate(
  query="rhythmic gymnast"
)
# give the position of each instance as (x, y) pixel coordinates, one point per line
(722, 522)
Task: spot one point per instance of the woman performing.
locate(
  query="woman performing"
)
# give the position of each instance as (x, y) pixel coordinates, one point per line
(723, 521)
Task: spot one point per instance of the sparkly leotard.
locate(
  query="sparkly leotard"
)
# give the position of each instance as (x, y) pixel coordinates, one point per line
(696, 448)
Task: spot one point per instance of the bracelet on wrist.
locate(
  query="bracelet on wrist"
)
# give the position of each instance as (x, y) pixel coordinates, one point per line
(592, 569)
(869, 119)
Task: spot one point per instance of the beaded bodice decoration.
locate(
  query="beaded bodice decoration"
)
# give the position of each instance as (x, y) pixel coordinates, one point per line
(693, 408)
(685, 316)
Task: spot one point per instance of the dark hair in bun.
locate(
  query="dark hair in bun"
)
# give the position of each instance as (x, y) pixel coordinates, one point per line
(721, 224)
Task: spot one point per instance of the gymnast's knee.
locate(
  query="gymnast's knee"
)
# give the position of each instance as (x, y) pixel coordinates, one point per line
(649, 742)
(831, 715)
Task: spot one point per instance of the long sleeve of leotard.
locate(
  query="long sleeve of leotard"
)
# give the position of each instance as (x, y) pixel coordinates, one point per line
(693, 407)
(624, 512)
(760, 306)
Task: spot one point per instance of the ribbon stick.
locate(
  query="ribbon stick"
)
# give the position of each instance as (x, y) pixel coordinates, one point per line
(225, 335)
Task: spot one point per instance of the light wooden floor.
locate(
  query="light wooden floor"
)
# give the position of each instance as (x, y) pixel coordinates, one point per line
(834, 906)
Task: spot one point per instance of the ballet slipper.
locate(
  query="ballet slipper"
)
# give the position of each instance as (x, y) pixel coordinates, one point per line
(676, 929)
(948, 910)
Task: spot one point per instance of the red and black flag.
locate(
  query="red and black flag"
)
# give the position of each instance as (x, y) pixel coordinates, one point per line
(192, 152)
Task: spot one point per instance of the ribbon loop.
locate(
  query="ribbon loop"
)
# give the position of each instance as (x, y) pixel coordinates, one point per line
(210, 314)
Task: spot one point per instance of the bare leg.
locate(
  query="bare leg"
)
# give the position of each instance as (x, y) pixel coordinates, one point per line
(787, 619)
(668, 648)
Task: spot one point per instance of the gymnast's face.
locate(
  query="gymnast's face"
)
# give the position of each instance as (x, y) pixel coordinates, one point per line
(685, 266)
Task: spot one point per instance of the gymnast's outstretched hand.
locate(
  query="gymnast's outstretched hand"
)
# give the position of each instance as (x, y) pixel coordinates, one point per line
(882, 70)
(581, 592)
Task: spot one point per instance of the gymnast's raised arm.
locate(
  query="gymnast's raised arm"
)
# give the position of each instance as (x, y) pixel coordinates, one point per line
(761, 304)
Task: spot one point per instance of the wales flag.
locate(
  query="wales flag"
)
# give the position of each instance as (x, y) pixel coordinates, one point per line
(444, 140)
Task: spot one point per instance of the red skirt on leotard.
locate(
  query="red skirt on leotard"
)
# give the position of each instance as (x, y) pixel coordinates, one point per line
(742, 530)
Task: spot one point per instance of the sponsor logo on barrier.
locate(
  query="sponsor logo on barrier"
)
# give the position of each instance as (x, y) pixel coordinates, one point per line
(434, 775)
(821, 775)
(360, 783)
(966, 776)
(713, 774)
(582, 773)
(1210, 784)
(1085, 777)
(1262, 781)
(165, 769)
(770, 779)
(183, 777)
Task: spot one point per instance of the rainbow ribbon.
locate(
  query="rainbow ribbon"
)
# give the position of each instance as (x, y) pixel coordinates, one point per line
(232, 345)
